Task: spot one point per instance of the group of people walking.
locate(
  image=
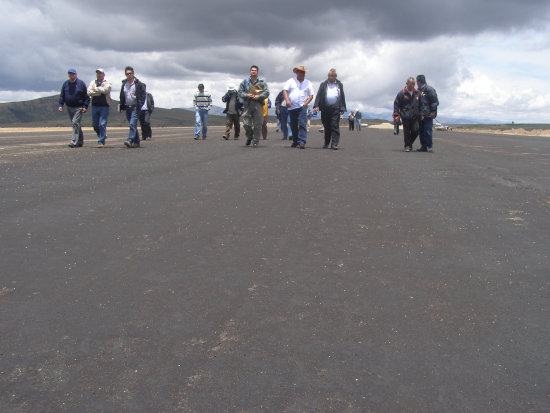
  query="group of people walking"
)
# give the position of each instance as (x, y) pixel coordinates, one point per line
(134, 100)
(415, 108)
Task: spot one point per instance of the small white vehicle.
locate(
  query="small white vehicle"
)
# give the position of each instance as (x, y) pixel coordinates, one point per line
(440, 126)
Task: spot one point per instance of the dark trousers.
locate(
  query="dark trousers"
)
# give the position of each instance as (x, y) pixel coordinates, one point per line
(425, 132)
(145, 122)
(410, 131)
(351, 124)
(330, 117)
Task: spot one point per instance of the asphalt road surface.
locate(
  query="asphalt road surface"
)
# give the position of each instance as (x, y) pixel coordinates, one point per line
(206, 276)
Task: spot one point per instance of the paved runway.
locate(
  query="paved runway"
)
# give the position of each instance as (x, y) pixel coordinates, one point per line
(206, 276)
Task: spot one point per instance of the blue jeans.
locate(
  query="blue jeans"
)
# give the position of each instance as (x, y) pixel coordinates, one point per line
(100, 114)
(283, 115)
(425, 132)
(201, 116)
(132, 114)
(358, 124)
(298, 125)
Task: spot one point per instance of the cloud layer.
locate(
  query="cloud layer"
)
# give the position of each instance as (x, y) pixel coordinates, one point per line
(483, 57)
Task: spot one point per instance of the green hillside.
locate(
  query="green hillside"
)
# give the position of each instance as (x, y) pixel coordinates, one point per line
(43, 113)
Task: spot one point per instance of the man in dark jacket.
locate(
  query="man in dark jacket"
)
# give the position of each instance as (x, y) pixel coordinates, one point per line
(145, 117)
(406, 107)
(132, 97)
(233, 111)
(74, 94)
(428, 112)
(331, 101)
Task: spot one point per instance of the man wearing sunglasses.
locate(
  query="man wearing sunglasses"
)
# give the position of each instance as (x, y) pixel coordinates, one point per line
(132, 97)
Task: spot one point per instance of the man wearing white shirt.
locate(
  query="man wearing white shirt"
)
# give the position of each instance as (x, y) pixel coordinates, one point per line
(298, 92)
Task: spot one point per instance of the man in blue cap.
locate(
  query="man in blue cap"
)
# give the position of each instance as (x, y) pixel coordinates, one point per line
(74, 95)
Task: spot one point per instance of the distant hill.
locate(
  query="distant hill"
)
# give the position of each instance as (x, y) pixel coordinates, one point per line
(43, 113)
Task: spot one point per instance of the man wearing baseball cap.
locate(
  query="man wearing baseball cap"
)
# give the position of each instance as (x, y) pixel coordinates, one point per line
(100, 92)
(74, 96)
(233, 110)
(298, 92)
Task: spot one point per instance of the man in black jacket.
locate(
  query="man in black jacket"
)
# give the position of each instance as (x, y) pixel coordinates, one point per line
(74, 95)
(145, 117)
(132, 97)
(331, 101)
(406, 107)
(428, 112)
(233, 111)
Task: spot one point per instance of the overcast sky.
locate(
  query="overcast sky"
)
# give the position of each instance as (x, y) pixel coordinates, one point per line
(487, 59)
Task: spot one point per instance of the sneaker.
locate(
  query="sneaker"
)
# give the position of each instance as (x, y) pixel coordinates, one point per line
(72, 145)
(128, 144)
(294, 144)
(422, 149)
(302, 146)
(248, 142)
(225, 137)
(254, 145)
(325, 146)
(430, 150)
(407, 149)
(196, 137)
(335, 148)
(236, 138)
(100, 145)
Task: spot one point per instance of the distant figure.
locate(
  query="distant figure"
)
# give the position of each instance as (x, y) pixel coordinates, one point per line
(282, 112)
(100, 92)
(145, 117)
(265, 108)
(428, 112)
(358, 117)
(351, 120)
(202, 101)
(406, 107)
(233, 111)
(132, 98)
(253, 91)
(396, 124)
(298, 92)
(331, 101)
(74, 95)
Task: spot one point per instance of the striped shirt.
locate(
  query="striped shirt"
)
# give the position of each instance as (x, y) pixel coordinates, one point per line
(202, 100)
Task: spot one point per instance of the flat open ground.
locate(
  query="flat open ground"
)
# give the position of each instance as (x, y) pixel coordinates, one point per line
(211, 277)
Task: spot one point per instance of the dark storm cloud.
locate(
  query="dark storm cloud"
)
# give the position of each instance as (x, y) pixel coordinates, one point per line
(174, 38)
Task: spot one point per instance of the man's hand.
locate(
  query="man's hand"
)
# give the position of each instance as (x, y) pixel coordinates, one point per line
(288, 104)
(421, 117)
(432, 115)
(60, 108)
(84, 110)
(278, 112)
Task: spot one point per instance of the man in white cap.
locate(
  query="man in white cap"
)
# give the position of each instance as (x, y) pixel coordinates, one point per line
(233, 110)
(298, 92)
(100, 92)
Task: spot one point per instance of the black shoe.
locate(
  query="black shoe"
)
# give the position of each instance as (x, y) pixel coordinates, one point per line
(334, 148)
(294, 144)
(225, 137)
(72, 145)
(302, 146)
(248, 142)
(325, 146)
(422, 149)
(136, 145)
(236, 138)
(285, 139)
